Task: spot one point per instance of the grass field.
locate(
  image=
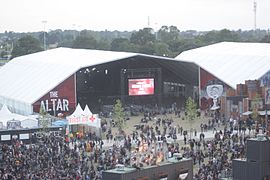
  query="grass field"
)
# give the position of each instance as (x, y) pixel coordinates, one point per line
(186, 124)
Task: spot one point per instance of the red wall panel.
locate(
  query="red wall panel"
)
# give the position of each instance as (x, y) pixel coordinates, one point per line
(61, 99)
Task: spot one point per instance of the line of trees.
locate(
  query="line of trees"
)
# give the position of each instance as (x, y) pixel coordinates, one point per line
(168, 41)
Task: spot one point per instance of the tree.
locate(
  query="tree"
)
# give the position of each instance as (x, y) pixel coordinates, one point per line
(119, 44)
(162, 49)
(43, 120)
(85, 42)
(191, 111)
(67, 41)
(119, 116)
(26, 45)
(178, 46)
(53, 37)
(212, 37)
(163, 34)
(167, 34)
(103, 44)
(143, 36)
(255, 108)
(148, 48)
(266, 39)
(174, 33)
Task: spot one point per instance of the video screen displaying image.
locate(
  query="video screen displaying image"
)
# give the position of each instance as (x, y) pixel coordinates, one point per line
(138, 87)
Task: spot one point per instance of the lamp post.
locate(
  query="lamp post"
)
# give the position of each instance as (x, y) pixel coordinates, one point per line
(266, 120)
(44, 34)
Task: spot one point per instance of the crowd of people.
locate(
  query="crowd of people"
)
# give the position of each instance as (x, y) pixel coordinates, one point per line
(86, 157)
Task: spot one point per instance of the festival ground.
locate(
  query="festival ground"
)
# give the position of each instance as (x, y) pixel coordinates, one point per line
(182, 122)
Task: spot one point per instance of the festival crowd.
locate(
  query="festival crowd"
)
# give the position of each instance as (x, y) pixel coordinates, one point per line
(85, 156)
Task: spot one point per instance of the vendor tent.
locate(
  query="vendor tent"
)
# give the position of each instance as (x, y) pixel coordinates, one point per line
(7, 116)
(84, 117)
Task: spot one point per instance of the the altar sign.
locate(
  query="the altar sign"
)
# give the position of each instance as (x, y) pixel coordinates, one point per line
(61, 99)
(55, 103)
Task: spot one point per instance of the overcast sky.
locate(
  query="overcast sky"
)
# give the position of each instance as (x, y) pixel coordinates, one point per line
(27, 15)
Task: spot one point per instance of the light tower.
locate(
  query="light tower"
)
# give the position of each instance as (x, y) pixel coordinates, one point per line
(44, 34)
(255, 13)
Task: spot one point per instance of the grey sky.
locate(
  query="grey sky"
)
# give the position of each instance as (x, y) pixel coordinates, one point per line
(27, 15)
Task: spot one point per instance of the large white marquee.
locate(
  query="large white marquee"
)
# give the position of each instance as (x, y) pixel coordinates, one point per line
(232, 62)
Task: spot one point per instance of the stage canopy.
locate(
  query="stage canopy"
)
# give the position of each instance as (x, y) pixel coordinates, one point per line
(26, 79)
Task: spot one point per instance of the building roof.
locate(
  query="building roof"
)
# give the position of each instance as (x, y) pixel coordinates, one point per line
(27, 78)
(231, 62)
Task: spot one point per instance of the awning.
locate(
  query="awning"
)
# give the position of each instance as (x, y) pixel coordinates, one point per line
(247, 113)
(261, 113)
(60, 123)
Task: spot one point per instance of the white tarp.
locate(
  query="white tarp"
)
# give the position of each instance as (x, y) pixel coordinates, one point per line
(29, 123)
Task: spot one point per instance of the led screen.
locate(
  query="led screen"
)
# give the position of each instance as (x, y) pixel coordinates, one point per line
(138, 87)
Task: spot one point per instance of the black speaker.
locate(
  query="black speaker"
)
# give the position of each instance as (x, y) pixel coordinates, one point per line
(258, 149)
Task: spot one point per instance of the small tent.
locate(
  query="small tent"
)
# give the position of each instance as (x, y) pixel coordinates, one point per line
(85, 117)
(8, 117)
(5, 115)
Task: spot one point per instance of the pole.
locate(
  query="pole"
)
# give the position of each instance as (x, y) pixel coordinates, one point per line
(266, 120)
(199, 84)
(255, 11)
(44, 35)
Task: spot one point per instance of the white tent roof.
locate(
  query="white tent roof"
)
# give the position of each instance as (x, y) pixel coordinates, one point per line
(6, 115)
(78, 111)
(34, 75)
(232, 62)
(87, 111)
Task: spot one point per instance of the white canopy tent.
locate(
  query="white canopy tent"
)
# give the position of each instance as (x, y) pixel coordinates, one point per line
(87, 111)
(84, 117)
(78, 111)
(7, 116)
